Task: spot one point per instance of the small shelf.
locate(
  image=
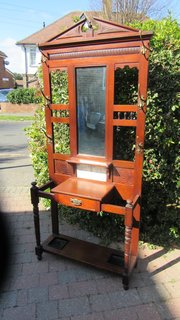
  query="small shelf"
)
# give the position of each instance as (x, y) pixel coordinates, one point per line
(77, 160)
(93, 190)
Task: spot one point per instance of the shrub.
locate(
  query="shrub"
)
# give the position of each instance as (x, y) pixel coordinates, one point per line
(160, 219)
(24, 95)
(37, 146)
(160, 203)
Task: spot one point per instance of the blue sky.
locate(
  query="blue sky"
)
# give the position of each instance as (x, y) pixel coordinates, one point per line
(19, 19)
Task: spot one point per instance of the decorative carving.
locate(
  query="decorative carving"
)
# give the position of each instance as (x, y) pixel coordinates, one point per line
(141, 103)
(139, 148)
(44, 59)
(143, 50)
(94, 53)
(125, 115)
(129, 203)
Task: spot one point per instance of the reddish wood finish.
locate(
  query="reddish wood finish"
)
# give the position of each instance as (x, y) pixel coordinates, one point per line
(63, 167)
(112, 46)
(95, 190)
(59, 120)
(125, 123)
(123, 176)
(125, 108)
(113, 209)
(86, 252)
(78, 202)
(59, 106)
(79, 160)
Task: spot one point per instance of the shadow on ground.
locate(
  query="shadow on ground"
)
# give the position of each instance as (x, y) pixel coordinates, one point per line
(58, 288)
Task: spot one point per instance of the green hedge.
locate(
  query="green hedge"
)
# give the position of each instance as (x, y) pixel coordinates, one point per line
(24, 95)
(160, 201)
(160, 220)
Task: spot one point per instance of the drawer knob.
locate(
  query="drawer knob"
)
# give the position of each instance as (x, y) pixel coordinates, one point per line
(76, 202)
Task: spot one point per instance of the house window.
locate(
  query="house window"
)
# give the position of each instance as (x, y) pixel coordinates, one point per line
(32, 56)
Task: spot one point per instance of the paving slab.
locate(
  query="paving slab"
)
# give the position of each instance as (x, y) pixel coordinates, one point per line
(60, 289)
(70, 290)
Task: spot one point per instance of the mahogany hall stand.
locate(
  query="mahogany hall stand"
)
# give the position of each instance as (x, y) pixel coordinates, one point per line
(101, 117)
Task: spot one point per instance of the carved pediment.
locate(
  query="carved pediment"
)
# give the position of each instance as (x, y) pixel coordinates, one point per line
(81, 29)
(105, 27)
(85, 28)
(95, 30)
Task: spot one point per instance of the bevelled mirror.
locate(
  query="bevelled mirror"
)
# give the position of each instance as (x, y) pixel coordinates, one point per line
(91, 101)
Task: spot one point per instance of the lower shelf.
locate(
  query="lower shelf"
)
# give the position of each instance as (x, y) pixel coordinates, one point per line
(98, 256)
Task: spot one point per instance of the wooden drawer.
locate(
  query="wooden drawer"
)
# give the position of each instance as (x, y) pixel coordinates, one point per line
(82, 193)
(78, 202)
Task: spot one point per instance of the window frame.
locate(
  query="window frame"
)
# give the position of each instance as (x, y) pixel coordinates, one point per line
(32, 60)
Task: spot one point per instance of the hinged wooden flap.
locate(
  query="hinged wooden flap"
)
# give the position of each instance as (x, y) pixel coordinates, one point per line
(84, 188)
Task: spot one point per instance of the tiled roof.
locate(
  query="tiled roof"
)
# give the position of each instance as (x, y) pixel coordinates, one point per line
(2, 54)
(10, 72)
(55, 28)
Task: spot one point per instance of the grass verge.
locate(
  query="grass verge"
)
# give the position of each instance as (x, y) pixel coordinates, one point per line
(16, 118)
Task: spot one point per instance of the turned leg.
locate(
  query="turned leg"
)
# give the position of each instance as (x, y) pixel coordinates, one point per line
(135, 232)
(35, 202)
(125, 281)
(127, 246)
(127, 255)
(54, 217)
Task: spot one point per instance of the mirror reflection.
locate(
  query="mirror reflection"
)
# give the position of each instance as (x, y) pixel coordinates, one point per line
(91, 92)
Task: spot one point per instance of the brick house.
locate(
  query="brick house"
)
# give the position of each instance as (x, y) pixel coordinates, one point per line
(6, 76)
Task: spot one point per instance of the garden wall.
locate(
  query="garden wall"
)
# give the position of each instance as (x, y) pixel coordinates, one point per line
(8, 107)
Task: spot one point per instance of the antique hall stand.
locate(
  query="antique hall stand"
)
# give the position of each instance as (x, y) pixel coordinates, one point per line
(95, 172)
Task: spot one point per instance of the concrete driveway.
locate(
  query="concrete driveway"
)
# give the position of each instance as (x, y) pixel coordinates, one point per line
(16, 171)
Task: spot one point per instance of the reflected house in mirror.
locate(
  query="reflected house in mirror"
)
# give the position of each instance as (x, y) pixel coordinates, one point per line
(95, 88)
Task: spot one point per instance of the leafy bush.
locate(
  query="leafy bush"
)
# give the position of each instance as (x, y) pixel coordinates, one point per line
(18, 76)
(36, 132)
(24, 95)
(160, 202)
(37, 145)
(160, 219)
(59, 92)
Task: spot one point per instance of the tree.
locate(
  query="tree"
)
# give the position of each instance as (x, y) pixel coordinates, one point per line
(127, 11)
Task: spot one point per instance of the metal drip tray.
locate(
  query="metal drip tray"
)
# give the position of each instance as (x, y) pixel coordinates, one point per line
(58, 243)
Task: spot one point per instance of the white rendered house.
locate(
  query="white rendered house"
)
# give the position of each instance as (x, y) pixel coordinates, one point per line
(29, 45)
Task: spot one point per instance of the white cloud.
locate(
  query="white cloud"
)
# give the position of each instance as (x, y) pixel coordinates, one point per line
(14, 55)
